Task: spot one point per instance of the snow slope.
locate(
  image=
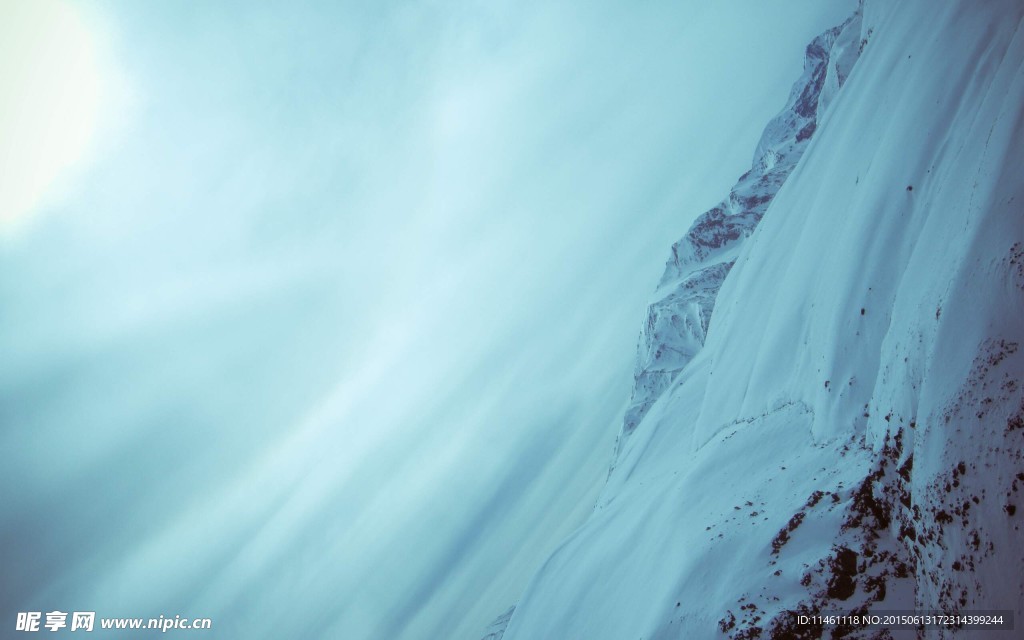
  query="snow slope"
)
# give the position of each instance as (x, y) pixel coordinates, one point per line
(850, 436)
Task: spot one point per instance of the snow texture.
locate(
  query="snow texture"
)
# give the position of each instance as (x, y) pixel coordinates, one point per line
(841, 427)
(497, 628)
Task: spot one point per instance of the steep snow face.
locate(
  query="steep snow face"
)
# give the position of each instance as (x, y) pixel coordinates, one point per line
(678, 320)
(851, 434)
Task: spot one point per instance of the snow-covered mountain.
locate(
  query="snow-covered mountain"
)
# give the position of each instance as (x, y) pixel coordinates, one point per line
(829, 413)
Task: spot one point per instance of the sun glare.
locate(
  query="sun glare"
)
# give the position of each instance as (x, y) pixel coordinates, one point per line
(49, 101)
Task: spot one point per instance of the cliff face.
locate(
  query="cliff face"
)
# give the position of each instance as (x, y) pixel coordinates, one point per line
(677, 321)
(840, 426)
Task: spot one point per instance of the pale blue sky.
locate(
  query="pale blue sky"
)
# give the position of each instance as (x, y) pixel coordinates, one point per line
(332, 331)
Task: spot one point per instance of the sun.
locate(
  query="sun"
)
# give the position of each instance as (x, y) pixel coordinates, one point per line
(49, 101)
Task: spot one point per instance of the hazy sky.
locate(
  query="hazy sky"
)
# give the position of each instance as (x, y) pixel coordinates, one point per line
(318, 319)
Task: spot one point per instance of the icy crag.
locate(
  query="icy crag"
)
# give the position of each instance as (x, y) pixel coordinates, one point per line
(678, 320)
